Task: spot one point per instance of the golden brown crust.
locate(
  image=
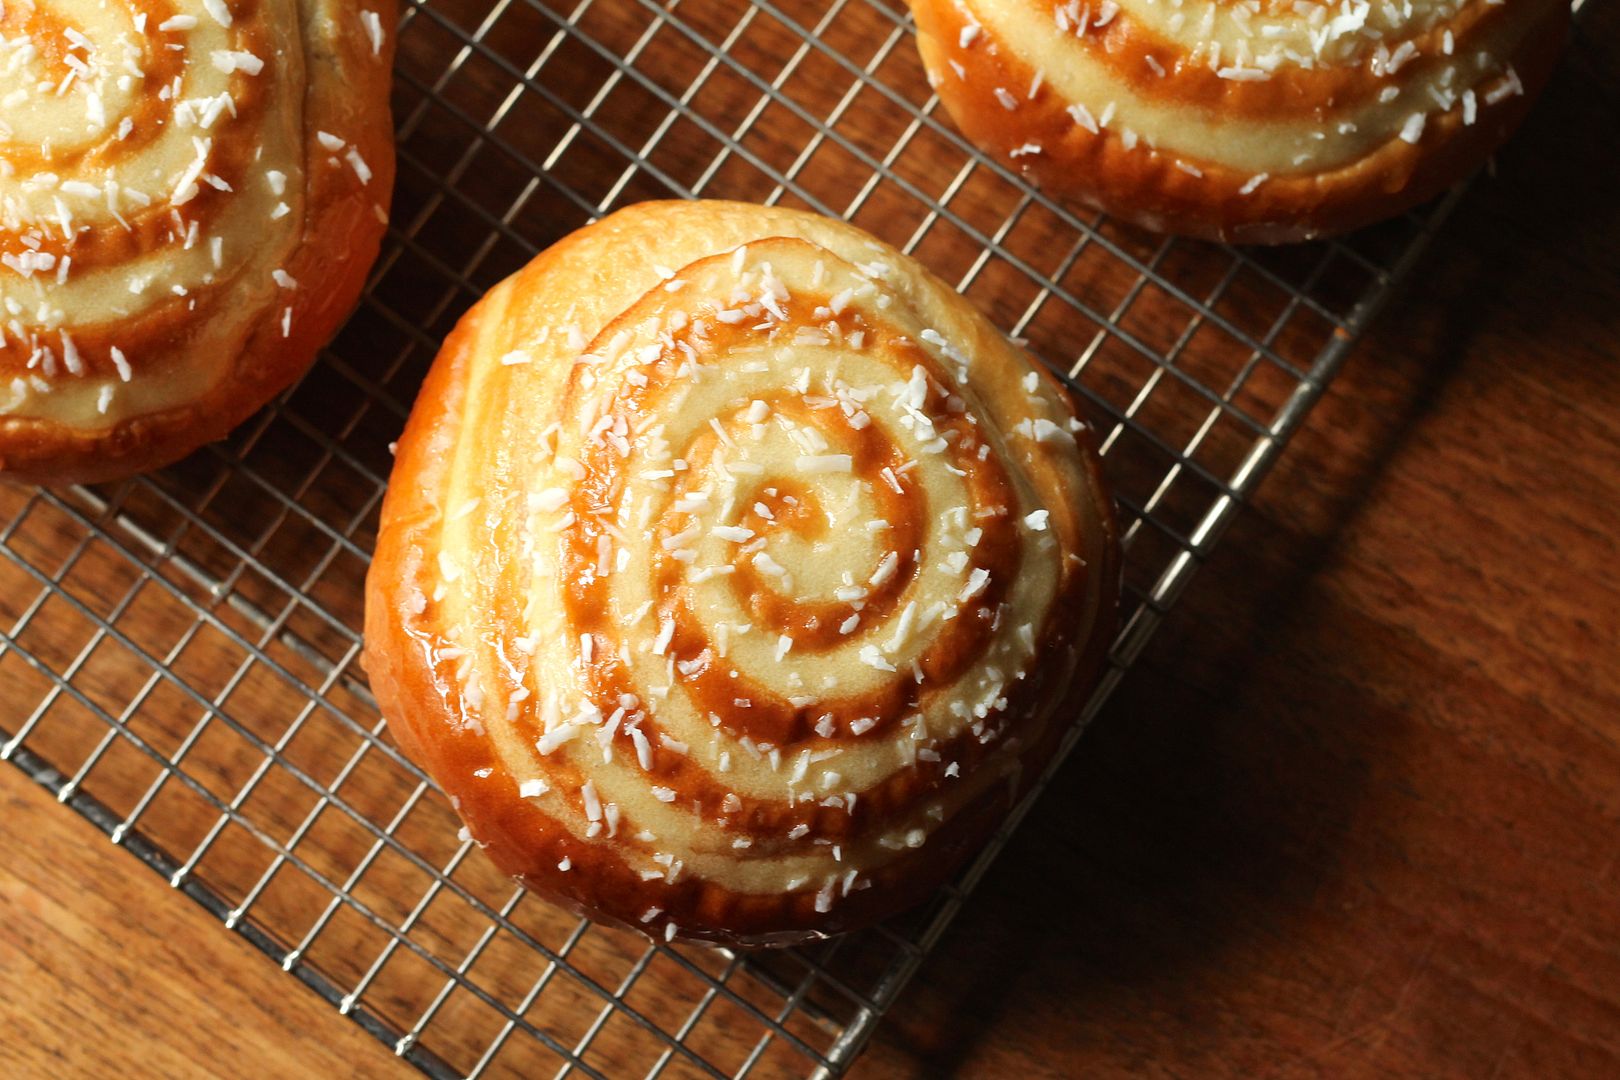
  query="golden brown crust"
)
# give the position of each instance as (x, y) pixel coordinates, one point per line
(680, 663)
(1335, 129)
(316, 114)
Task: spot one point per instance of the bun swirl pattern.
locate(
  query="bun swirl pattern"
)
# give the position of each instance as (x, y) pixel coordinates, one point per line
(735, 574)
(191, 192)
(1243, 120)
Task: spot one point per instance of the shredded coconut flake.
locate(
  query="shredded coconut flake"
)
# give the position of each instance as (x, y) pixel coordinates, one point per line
(218, 11)
(230, 61)
(824, 463)
(374, 30)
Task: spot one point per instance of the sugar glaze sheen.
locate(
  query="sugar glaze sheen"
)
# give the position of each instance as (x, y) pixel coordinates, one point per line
(736, 575)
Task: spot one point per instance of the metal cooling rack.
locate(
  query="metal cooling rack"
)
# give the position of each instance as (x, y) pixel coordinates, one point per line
(178, 661)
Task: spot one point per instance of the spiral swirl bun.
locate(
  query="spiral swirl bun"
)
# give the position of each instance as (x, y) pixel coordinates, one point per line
(1244, 120)
(191, 192)
(735, 574)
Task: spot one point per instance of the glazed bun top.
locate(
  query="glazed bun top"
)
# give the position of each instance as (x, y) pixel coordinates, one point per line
(190, 195)
(1249, 120)
(735, 574)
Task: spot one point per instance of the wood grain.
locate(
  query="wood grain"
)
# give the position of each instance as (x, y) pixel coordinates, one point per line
(1356, 814)
(105, 971)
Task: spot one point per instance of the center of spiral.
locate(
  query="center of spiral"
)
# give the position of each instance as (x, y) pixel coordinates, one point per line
(782, 460)
(785, 542)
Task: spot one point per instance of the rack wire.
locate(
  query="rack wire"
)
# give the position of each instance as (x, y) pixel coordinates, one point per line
(179, 652)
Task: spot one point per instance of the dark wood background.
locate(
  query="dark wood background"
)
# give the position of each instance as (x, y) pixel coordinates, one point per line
(1356, 813)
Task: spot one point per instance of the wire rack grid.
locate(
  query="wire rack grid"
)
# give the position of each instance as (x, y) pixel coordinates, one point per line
(179, 652)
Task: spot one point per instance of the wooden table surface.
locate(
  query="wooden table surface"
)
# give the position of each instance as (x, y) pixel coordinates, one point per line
(1357, 813)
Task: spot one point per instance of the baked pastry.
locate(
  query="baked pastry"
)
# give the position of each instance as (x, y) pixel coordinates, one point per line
(1257, 121)
(190, 197)
(735, 574)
